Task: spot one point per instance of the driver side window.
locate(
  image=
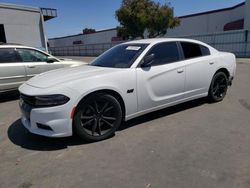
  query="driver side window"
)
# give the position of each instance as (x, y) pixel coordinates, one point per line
(165, 53)
(29, 55)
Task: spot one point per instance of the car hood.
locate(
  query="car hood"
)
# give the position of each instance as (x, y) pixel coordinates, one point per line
(60, 76)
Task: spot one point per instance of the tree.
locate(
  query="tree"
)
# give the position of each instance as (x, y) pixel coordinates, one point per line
(161, 18)
(88, 31)
(138, 17)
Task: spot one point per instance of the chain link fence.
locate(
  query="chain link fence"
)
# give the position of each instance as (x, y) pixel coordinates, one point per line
(81, 50)
(237, 42)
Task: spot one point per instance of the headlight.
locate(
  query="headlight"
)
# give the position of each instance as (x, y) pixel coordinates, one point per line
(50, 100)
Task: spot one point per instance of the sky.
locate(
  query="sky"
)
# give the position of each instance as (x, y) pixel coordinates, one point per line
(75, 15)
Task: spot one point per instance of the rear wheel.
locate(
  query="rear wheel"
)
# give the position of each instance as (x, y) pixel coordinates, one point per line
(98, 117)
(218, 87)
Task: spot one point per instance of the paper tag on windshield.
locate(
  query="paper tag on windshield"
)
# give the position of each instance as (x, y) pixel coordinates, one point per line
(136, 48)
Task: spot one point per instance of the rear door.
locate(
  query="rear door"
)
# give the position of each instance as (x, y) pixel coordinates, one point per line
(12, 71)
(200, 67)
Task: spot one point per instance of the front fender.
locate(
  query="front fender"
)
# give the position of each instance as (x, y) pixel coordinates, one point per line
(117, 82)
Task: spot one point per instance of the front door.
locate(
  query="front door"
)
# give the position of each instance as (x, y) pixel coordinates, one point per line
(163, 82)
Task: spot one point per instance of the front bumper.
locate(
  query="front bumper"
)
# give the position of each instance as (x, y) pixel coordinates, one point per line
(47, 121)
(58, 125)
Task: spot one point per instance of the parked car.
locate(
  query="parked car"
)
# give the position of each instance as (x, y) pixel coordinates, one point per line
(127, 81)
(20, 63)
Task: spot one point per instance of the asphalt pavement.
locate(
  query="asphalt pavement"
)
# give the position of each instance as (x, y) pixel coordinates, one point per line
(195, 144)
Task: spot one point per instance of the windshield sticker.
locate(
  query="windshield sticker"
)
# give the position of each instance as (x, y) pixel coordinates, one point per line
(135, 48)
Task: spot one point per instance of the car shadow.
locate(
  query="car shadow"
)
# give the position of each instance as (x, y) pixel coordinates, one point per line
(9, 96)
(21, 137)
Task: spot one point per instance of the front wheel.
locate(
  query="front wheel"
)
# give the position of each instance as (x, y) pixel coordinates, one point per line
(98, 117)
(218, 87)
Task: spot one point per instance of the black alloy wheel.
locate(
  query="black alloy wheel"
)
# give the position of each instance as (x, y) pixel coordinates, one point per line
(98, 117)
(218, 88)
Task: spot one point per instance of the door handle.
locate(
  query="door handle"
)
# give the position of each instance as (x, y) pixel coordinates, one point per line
(31, 66)
(211, 63)
(180, 71)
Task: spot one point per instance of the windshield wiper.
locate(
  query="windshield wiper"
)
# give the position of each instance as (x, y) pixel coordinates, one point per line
(98, 65)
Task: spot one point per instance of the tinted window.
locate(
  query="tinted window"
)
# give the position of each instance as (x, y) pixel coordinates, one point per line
(29, 55)
(121, 56)
(2, 34)
(165, 53)
(8, 55)
(192, 50)
(204, 50)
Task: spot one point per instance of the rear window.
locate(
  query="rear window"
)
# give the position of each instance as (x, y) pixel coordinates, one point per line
(8, 55)
(192, 50)
(204, 50)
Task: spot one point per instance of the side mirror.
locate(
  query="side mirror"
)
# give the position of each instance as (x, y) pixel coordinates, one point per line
(50, 59)
(148, 60)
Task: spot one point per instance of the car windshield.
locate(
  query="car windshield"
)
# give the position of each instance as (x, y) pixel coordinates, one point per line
(121, 56)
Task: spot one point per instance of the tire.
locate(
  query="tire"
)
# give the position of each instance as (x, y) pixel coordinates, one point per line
(97, 117)
(218, 87)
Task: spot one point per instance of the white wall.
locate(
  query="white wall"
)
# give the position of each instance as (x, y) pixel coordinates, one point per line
(101, 37)
(22, 26)
(94, 38)
(208, 23)
(64, 41)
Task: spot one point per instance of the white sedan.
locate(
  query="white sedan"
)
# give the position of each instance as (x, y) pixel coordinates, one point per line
(129, 80)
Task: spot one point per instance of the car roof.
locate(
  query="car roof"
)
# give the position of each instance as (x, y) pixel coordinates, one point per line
(20, 46)
(14, 46)
(158, 40)
(25, 47)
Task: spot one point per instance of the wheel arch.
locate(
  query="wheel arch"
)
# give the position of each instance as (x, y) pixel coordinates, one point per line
(211, 96)
(221, 69)
(110, 92)
(224, 70)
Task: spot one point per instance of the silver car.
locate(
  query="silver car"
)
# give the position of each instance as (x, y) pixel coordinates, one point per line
(20, 63)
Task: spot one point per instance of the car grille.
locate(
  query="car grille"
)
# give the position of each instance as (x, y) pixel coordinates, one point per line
(28, 99)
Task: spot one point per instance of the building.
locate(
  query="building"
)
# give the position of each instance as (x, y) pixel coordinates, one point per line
(24, 24)
(103, 36)
(231, 18)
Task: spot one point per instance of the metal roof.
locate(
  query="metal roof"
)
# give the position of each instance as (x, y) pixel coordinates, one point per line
(48, 13)
(213, 11)
(19, 7)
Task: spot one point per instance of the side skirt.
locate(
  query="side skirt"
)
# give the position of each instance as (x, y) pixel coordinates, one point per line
(165, 106)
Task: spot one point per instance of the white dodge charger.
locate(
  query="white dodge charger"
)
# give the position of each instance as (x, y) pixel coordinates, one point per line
(129, 80)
